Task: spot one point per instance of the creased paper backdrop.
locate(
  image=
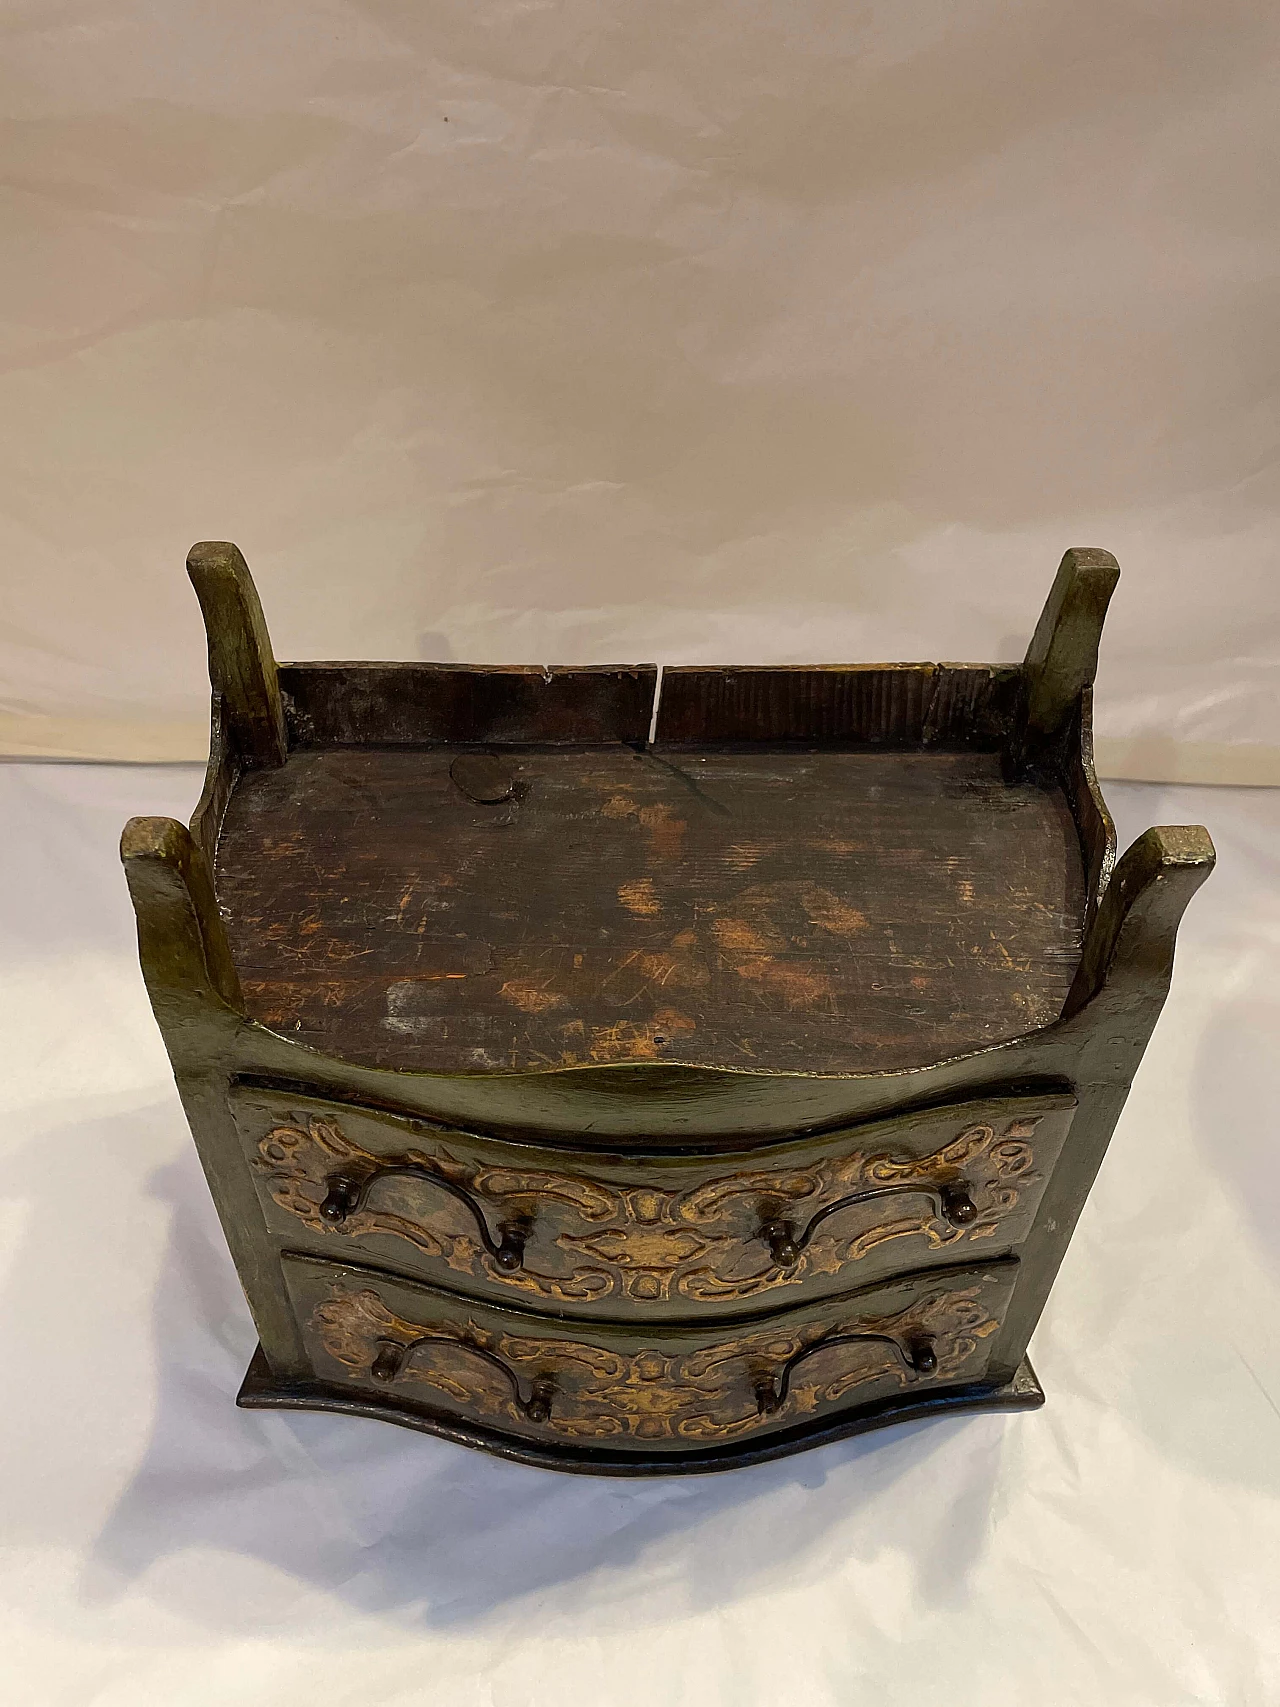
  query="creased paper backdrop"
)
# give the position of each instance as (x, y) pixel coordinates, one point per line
(592, 331)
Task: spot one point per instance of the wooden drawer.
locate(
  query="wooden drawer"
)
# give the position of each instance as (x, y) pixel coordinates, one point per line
(587, 1233)
(434, 1357)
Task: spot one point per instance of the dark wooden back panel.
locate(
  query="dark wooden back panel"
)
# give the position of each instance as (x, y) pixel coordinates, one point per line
(414, 705)
(893, 705)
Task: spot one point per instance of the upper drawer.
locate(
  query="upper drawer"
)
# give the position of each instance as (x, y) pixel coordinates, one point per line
(398, 1347)
(594, 1234)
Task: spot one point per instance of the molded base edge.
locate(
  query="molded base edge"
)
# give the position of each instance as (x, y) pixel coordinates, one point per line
(261, 1390)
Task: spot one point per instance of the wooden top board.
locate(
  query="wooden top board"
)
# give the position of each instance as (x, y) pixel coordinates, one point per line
(801, 910)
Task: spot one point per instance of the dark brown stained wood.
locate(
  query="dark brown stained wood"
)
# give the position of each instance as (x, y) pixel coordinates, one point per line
(1093, 820)
(221, 775)
(483, 777)
(902, 705)
(413, 705)
(805, 911)
(970, 706)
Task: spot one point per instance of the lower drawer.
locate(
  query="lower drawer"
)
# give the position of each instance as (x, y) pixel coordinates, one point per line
(660, 1389)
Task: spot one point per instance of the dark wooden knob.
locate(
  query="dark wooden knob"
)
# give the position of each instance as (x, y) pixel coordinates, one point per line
(510, 1252)
(539, 1407)
(781, 1240)
(767, 1396)
(387, 1363)
(343, 1196)
(957, 1205)
(922, 1357)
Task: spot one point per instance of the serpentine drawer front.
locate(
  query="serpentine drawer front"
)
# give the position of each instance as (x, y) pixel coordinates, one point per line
(666, 1389)
(667, 1236)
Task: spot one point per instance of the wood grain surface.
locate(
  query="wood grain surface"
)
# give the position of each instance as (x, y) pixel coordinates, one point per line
(792, 909)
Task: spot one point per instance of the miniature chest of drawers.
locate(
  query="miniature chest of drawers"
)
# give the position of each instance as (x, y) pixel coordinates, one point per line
(636, 1072)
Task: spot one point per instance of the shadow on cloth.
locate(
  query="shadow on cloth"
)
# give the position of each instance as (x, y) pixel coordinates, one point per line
(400, 1524)
(1234, 1096)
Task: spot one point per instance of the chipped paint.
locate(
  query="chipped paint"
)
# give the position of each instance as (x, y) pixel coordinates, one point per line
(798, 983)
(531, 997)
(736, 936)
(640, 897)
(666, 831)
(627, 1040)
(643, 973)
(741, 856)
(829, 913)
(780, 927)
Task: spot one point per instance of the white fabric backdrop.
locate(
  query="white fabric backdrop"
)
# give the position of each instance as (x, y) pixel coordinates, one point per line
(159, 1548)
(752, 330)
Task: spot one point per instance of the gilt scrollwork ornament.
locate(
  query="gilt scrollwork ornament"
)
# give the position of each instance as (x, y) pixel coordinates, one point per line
(770, 1378)
(727, 1238)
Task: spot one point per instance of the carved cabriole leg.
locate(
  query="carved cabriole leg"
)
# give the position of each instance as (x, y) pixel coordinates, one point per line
(1062, 659)
(195, 995)
(1109, 1015)
(242, 668)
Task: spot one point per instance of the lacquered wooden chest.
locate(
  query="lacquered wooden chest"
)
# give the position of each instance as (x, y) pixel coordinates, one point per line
(632, 1071)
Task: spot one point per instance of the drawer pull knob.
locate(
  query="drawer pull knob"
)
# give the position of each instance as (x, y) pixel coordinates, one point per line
(538, 1408)
(346, 1194)
(916, 1354)
(957, 1205)
(388, 1361)
(510, 1252)
(923, 1358)
(391, 1357)
(779, 1237)
(342, 1199)
(952, 1203)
